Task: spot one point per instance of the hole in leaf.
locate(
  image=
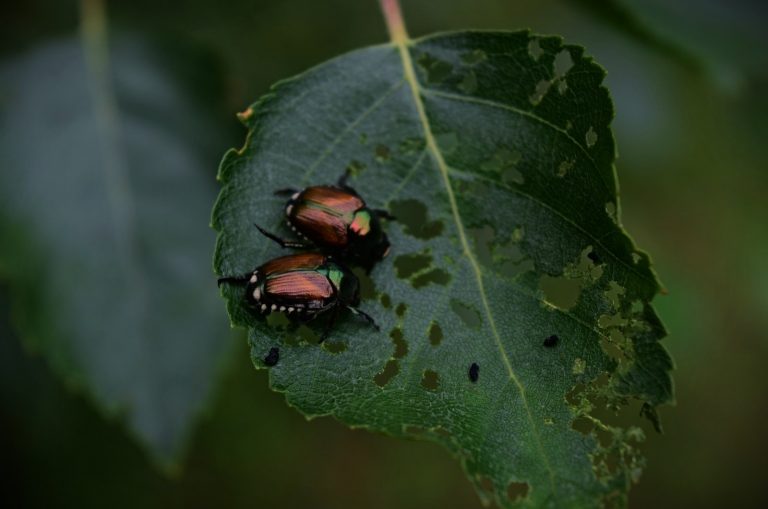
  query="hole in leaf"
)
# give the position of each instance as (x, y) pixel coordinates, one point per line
(437, 276)
(278, 320)
(435, 69)
(565, 167)
(435, 334)
(391, 368)
(334, 346)
(542, 87)
(575, 395)
(606, 321)
(561, 292)
(605, 438)
(401, 309)
(409, 264)
(563, 63)
(430, 380)
(591, 137)
(469, 315)
(582, 425)
(401, 347)
(579, 366)
(385, 300)
(503, 159)
(483, 238)
(307, 335)
(517, 491)
(614, 293)
(412, 214)
(534, 49)
(474, 57)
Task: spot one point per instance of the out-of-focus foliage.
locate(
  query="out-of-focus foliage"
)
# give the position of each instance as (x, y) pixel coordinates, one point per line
(692, 169)
(104, 245)
(711, 35)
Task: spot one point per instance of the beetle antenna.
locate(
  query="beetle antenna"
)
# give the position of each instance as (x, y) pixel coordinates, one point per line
(233, 279)
(286, 191)
(383, 214)
(365, 315)
(282, 242)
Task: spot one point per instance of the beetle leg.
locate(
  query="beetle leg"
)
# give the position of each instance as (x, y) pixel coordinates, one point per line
(283, 243)
(383, 214)
(342, 182)
(330, 324)
(365, 315)
(288, 191)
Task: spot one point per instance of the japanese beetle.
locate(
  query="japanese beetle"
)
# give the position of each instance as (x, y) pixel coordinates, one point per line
(335, 219)
(303, 286)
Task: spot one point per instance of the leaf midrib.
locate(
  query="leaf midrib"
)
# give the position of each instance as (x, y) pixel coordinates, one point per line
(410, 77)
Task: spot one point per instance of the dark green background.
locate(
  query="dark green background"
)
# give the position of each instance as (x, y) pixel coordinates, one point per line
(692, 171)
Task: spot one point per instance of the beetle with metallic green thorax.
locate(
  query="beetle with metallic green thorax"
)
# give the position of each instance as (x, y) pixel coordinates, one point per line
(302, 286)
(336, 220)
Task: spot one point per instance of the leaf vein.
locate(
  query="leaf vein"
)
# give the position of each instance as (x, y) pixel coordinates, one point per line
(416, 91)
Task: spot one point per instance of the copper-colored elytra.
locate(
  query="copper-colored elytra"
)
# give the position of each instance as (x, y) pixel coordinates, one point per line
(332, 198)
(299, 261)
(299, 286)
(321, 226)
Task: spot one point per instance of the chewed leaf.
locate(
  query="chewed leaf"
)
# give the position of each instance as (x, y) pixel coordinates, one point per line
(489, 233)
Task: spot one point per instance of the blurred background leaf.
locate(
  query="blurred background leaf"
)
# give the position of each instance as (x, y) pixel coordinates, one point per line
(693, 183)
(105, 247)
(710, 35)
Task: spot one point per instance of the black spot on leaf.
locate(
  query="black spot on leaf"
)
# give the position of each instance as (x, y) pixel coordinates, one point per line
(474, 372)
(272, 357)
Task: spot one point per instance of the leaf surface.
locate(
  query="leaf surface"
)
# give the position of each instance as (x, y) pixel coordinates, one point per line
(494, 151)
(103, 231)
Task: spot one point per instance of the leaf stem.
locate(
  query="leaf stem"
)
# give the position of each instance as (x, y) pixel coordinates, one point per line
(393, 17)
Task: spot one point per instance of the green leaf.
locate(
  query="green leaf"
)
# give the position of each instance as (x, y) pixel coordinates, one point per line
(494, 151)
(714, 37)
(103, 238)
